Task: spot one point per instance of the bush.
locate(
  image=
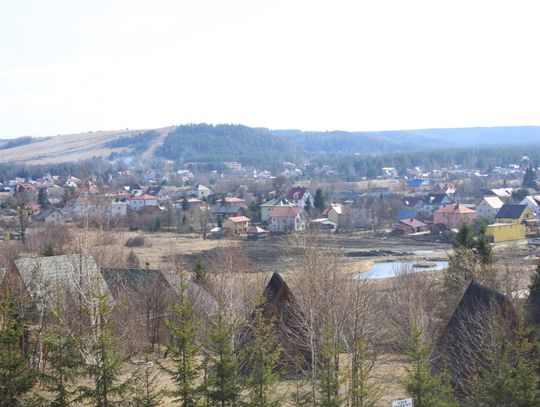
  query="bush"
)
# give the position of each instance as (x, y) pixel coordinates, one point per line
(137, 241)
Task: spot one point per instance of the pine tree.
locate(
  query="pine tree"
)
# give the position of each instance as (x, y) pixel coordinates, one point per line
(16, 377)
(318, 200)
(529, 179)
(222, 387)
(328, 373)
(64, 364)
(183, 347)
(308, 205)
(199, 269)
(147, 388)
(42, 198)
(103, 364)
(262, 357)
(362, 392)
(426, 389)
(508, 375)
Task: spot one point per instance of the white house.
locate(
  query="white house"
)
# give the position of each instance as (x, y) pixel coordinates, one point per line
(298, 196)
(533, 202)
(287, 219)
(488, 207)
(203, 192)
(139, 202)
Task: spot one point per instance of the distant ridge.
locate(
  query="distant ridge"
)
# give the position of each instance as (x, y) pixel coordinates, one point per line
(250, 145)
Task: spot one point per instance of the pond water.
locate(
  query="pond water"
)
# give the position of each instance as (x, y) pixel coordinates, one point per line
(390, 268)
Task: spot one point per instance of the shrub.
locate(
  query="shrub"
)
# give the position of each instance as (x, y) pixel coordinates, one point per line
(137, 241)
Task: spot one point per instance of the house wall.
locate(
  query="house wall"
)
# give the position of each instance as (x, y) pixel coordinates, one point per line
(505, 232)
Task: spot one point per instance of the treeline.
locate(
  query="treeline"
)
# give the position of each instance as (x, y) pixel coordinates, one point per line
(483, 159)
(138, 142)
(216, 144)
(20, 141)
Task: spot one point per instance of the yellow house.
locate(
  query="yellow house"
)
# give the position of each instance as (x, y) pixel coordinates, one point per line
(236, 225)
(512, 222)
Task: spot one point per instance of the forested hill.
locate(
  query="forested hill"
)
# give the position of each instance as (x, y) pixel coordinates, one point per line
(385, 142)
(215, 144)
(260, 147)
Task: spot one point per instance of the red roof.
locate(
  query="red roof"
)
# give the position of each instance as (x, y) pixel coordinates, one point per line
(413, 223)
(236, 219)
(296, 193)
(457, 208)
(285, 211)
(143, 197)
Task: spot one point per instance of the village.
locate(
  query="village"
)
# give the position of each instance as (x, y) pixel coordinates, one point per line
(244, 236)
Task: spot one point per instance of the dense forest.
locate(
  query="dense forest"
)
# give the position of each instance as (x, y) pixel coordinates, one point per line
(216, 144)
(472, 158)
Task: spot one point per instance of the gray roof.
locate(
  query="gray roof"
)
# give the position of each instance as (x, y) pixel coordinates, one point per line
(75, 273)
(510, 211)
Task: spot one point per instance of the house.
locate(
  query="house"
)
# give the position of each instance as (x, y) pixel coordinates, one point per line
(203, 192)
(223, 211)
(118, 209)
(488, 207)
(266, 207)
(533, 202)
(412, 202)
(344, 216)
(42, 277)
(51, 217)
(453, 216)
(418, 185)
(408, 213)
(512, 222)
(410, 226)
(186, 204)
(233, 201)
(460, 348)
(432, 202)
(444, 188)
(158, 192)
(285, 219)
(236, 225)
(256, 232)
(323, 224)
(139, 202)
(298, 196)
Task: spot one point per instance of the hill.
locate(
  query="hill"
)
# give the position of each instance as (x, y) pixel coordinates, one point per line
(214, 144)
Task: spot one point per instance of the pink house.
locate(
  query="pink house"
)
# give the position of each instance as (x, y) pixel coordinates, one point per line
(453, 216)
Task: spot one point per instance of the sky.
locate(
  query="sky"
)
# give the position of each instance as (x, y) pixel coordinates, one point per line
(75, 66)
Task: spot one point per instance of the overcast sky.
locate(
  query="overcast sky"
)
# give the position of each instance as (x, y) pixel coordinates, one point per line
(74, 66)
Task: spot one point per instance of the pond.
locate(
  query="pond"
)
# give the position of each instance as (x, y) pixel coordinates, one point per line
(390, 268)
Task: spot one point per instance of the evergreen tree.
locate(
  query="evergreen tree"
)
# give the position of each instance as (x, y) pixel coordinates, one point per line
(464, 237)
(222, 387)
(328, 374)
(16, 377)
(199, 269)
(103, 362)
(529, 179)
(262, 357)
(509, 374)
(362, 392)
(426, 389)
(318, 200)
(308, 205)
(183, 347)
(42, 198)
(65, 363)
(147, 388)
